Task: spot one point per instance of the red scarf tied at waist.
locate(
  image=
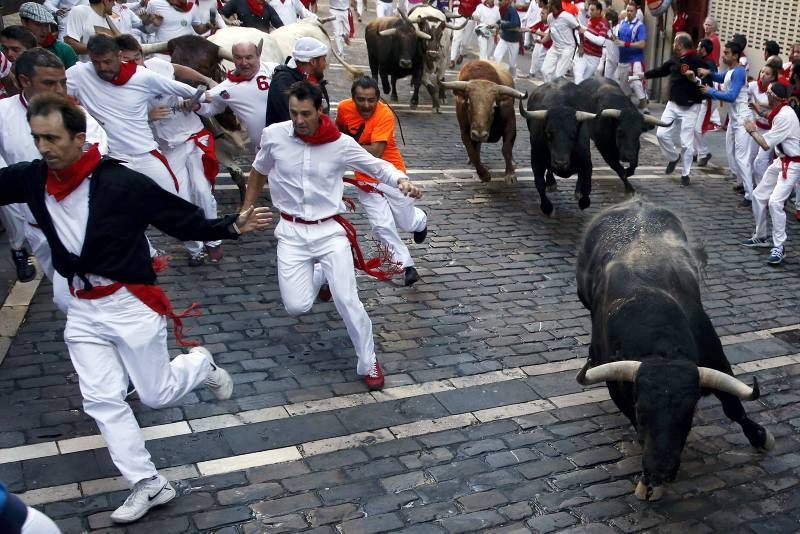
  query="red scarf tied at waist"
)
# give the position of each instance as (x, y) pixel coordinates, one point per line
(257, 7)
(204, 140)
(62, 182)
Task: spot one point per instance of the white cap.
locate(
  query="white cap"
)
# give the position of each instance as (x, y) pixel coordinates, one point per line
(307, 48)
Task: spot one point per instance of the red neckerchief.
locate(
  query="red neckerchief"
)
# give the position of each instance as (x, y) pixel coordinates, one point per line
(775, 111)
(311, 77)
(23, 101)
(762, 88)
(49, 40)
(126, 71)
(326, 133)
(503, 11)
(64, 181)
(235, 78)
(185, 8)
(257, 7)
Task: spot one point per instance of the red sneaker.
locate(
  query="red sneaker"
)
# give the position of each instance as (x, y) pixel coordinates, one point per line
(374, 380)
(325, 293)
(797, 214)
(214, 253)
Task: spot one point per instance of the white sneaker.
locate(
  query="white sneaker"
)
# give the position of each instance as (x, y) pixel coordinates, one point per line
(145, 495)
(218, 381)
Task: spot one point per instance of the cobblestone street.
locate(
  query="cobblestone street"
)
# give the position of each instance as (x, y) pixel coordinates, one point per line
(481, 426)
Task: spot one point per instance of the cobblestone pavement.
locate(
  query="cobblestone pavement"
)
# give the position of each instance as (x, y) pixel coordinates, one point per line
(482, 426)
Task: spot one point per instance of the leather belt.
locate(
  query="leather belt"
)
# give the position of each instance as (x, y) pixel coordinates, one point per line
(292, 218)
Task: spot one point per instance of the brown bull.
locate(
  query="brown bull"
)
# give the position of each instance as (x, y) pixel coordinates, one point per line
(485, 109)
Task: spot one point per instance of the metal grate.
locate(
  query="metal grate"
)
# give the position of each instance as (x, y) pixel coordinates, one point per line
(759, 20)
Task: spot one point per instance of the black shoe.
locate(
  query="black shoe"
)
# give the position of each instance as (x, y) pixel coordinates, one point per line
(685, 181)
(745, 203)
(197, 261)
(671, 166)
(25, 270)
(739, 188)
(419, 237)
(411, 277)
(703, 161)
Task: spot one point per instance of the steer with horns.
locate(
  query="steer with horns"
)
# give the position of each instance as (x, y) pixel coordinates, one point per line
(652, 342)
(485, 110)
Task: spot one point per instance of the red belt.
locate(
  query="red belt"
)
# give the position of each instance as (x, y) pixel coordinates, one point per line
(371, 266)
(153, 297)
(785, 161)
(163, 160)
(204, 140)
(367, 188)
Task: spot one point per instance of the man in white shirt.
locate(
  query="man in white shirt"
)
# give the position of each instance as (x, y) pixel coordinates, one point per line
(173, 18)
(562, 26)
(117, 94)
(84, 22)
(487, 15)
(305, 159)
(38, 72)
(290, 11)
(245, 90)
(60, 9)
(780, 177)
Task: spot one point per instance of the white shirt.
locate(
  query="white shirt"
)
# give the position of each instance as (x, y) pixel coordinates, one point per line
(785, 131)
(82, 24)
(610, 49)
(177, 128)
(341, 5)
(290, 10)
(204, 8)
(306, 180)
(533, 15)
(70, 217)
(174, 23)
(583, 14)
(562, 30)
(53, 6)
(122, 109)
(248, 100)
(126, 20)
(486, 15)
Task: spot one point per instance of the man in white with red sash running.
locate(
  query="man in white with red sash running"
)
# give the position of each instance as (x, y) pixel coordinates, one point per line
(117, 94)
(305, 159)
(93, 213)
(245, 90)
(778, 182)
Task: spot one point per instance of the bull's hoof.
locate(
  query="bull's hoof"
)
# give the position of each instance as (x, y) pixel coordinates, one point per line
(413, 104)
(437, 110)
(552, 188)
(645, 492)
(393, 98)
(584, 202)
(485, 177)
(630, 193)
(510, 178)
(768, 442)
(547, 207)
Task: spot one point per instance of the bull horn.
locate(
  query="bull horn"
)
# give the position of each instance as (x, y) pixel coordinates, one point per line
(455, 86)
(717, 380)
(224, 53)
(611, 113)
(260, 46)
(355, 72)
(649, 119)
(454, 27)
(403, 14)
(510, 91)
(155, 48)
(582, 116)
(388, 32)
(624, 371)
(421, 34)
(539, 114)
(323, 20)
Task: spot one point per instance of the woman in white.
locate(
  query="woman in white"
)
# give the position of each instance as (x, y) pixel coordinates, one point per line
(487, 15)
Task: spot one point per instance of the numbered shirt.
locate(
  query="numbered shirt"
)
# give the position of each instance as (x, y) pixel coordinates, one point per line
(248, 100)
(175, 23)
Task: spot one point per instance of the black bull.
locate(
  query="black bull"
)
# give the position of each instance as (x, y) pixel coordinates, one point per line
(652, 342)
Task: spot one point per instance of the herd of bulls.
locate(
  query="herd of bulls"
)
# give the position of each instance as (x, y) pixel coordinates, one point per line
(652, 342)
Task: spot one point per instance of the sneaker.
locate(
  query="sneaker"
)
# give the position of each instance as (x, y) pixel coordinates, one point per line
(218, 380)
(146, 494)
(756, 242)
(745, 203)
(671, 166)
(685, 181)
(22, 262)
(776, 255)
(797, 214)
(196, 260)
(419, 237)
(411, 276)
(325, 293)
(214, 253)
(702, 161)
(374, 379)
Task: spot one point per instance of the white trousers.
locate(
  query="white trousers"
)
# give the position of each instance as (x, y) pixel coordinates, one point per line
(341, 28)
(383, 9)
(150, 166)
(38, 523)
(360, 7)
(760, 159)
(485, 47)
(609, 68)
(585, 67)
(508, 52)
(186, 161)
(685, 118)
(461, 38)
(737, 148)
(111, 340)
(636, 87)
(387, 213)
(557, 62)
(772, 192)
(300, 246)
(537, 58)
(701, 148)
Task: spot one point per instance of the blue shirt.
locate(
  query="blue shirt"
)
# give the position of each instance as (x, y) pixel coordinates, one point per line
(631, 32)
(738, 81)
(510, 20)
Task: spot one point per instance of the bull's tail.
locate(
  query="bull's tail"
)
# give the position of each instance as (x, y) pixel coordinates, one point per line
(396, 116)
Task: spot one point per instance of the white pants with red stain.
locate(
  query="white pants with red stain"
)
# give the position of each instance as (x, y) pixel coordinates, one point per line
(585, 67)
(772, 192)
(685, 118)
(387, 213)
(300, 247)
(150, 166)
(111, 340)
(186, 161)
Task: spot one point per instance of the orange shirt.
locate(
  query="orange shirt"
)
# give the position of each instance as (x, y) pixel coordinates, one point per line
(379, 127)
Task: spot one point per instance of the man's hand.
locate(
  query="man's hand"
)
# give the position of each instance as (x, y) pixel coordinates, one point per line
(254, 219)
(158, 113)
(750, 126)
(188, 105)
(409, 189)
(704, 89)
(703, 72)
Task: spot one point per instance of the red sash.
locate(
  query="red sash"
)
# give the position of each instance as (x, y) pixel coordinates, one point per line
(786, 161)
(204, 140)
(163, 160)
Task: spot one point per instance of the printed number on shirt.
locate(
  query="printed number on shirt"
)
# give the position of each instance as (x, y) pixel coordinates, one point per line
(263, 83)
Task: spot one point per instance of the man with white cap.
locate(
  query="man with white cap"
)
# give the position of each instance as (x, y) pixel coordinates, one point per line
(308, 62)
(41, 23)
(245, 90)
